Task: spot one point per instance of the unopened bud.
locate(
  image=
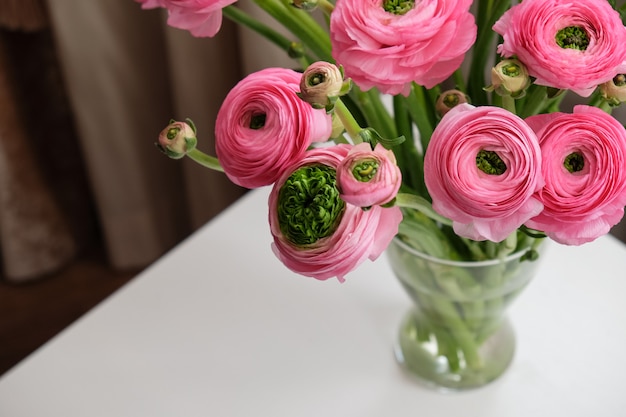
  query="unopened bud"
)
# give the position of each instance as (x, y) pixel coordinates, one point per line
(177, 139)
(509, 78)
(614, 91)
(321, 84)
(448, 99)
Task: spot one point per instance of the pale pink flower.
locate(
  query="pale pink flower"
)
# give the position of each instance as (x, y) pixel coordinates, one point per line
(321, 84)
(263, 127)
(177, 138)
(492, 202)
(584, 166)
(565, 44)
(389, 51)
(315, 232)
(369, 177)
(202, 18)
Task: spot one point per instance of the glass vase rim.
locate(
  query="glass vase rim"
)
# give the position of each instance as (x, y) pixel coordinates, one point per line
(450, 262)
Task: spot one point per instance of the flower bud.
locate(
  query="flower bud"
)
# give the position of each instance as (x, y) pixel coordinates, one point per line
(321, 84)
(367, 177)
(448, 99)
(509, 78)
(308, 5)
(614, 91)
(177, 139)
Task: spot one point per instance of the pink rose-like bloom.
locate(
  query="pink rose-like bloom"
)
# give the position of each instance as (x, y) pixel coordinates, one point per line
(357, 234)
(263, 127)
(390, 51)
(531, 32)
(377, 179)
(583, 204)
(202, 18)
(483, 206)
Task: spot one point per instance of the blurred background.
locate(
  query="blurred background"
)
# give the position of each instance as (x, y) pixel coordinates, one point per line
(86, 200)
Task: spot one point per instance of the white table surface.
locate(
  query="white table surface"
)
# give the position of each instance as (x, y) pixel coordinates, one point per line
(218, 327)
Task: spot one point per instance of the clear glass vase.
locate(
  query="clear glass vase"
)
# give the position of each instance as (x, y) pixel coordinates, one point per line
(456, 335)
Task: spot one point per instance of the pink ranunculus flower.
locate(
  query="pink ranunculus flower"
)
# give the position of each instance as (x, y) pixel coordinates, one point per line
(315, 232)
(202, 18)
(482, 169)
(263, 127)
(565, 44)
(584, 166)
(424, 43)
(369, 177)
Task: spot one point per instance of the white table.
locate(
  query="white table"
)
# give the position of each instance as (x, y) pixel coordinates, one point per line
(218, 327)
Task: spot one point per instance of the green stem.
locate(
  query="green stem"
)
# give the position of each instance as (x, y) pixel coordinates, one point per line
(451, 315)
(205, 160)
(326, 6)
(482, 49)
(508, 103)
(385, 124)
(422, 205)
(598, 101)
(349, 122)
(418, 108)
(240, 17)
(606, 107)
(374, 112)
(302, 25)
(534, 101)
(537, 100)
(459, 81)
(484, 11)
(411, 163)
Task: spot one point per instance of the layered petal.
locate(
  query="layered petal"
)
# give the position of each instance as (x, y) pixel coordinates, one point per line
(565, 44)
(377, 48)
(263, 127)
(584, 166)
(356, 234)
(369, 177)
(202, 18)
(482, 168)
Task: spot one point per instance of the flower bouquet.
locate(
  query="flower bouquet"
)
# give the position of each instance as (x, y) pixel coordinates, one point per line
(435, 129)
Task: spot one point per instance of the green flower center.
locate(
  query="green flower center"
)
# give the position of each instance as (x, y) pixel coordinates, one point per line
(398, 7)
(257, 121)
(317, 78)
(572, 37)
(365, 170)
(172, 132)
(619, 80)
(511, 70)
(574, 162)
(490, 163)
(451, 100)
(309, 206)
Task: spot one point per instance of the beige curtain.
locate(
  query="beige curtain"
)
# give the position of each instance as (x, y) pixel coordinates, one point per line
(124, 74)
(127, 74)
